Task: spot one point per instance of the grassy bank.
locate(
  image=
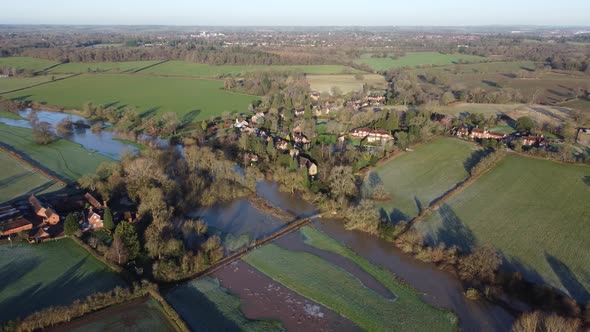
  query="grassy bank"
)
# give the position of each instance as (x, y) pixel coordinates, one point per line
(205, 306)
(535, 212)
(48, 274)
(64, 158)
(325, 283)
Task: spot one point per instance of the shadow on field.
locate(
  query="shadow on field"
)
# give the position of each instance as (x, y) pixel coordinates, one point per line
(73, 284)
(13, 179)
(16, 270)
(150, 112)
(490, 83)
(198, 311)
(475, 158)
(452, 231)
(586, 180)
(189, 117)
(568, 279)
(22, 98)
(394, 217)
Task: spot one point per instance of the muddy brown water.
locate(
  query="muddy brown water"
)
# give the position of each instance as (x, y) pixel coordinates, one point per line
(439, 288)
(264, 298)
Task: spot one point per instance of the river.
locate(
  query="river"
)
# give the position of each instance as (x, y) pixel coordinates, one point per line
(103, 142)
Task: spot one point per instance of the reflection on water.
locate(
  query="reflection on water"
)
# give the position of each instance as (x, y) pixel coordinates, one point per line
(102, 142)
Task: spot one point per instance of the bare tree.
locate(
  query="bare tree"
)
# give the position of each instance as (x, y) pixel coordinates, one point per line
(117, 252)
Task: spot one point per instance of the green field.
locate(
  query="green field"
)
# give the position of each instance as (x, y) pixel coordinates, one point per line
(205, 306)
(202, 98)
(346, 83)
(536, 212)
(420, 176)
(13, 83)
(330, 285)
(477, 68)
(29, 63)
(10, 115)
(103, 67)
(52, 273)
(65, 158)
(17, 179)
(141, 315)
(416, 59)
(181, 68)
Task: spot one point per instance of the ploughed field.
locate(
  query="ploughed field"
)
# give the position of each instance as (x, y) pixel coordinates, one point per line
(416, 59)
(415, 178)
(17, 179)
(64, 158)
(144, 314)
(195, 98)
(328, 273)
(535, 212)
(48, 274)
(205, 306)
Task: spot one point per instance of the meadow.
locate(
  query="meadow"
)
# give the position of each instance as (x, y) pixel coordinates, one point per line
(14, 83)
(415, 178)
(182, 68)
(205, 306)
(102, 67)
(26, 63)
(18, 179)
(154, 95)
(503, 67)
(144, 314)
(48, 274)
(337, 289)
(64, 158)
(346, 83)
(416, 59)
(534, 211)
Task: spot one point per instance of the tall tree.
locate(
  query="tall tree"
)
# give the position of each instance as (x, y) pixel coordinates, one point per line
(118, 252)
(71, 224)
(128, 235)
(108, 219)
(342, 183)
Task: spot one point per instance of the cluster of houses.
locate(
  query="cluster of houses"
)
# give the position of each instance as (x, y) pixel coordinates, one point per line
(478, 133)
(372, 135)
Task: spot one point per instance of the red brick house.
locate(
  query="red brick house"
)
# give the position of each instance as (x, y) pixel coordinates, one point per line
(49, 216)
(94, 220)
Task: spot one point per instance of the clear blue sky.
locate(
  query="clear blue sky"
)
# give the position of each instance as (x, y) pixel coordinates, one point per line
(297, 12)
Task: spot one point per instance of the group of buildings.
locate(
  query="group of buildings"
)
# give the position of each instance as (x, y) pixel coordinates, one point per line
(478, 133)
(371, 135)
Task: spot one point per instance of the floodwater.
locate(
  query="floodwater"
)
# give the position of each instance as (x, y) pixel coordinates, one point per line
(264, 298)
(102, 142)
(439, 288)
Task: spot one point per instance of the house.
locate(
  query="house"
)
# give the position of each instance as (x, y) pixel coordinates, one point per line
(93, 201)
(375, 97)
(532, 139)
(379, 135)
(128, 216)
(299, 111)
(485, 134)
(315, 95)
(49, 216)
(41, 235)
(257, 117)
(281, 144)
(360, 132)
(94, 220)
(462, 131)
(251, 157)
(312, 167)
(241, 124)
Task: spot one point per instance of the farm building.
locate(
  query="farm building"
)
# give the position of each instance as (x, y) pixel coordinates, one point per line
(12, 221)
(49, 216)
(93, 201)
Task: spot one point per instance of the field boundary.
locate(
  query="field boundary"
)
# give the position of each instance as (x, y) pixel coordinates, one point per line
(150, 66)
(169, 311)
(38, 84)
(23, 158)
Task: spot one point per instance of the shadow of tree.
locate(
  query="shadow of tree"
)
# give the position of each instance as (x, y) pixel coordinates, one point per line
(200, 313)
(419, 204)
(73, 284)
(568, 279)
(475, 158)
(586, 179)
(189, 117)
(396, 216)
(149, 113)
(452, 231)
(15, 270)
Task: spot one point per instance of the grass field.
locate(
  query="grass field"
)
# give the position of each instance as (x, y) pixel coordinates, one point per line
(201, 98)
(52, 273)
(330, 285)
(205, 306)
(141, 315)
(415, 178)
(17, 179)
(578, 104)
(416, 59)
(536, 212)
(29, 63)
(103, 67)
(346, 83)
(13, 83)
(181, 68)
(10, 115)
(477, 68)
(63, 157)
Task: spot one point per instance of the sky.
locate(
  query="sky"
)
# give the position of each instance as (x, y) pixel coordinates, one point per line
(298, 12)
